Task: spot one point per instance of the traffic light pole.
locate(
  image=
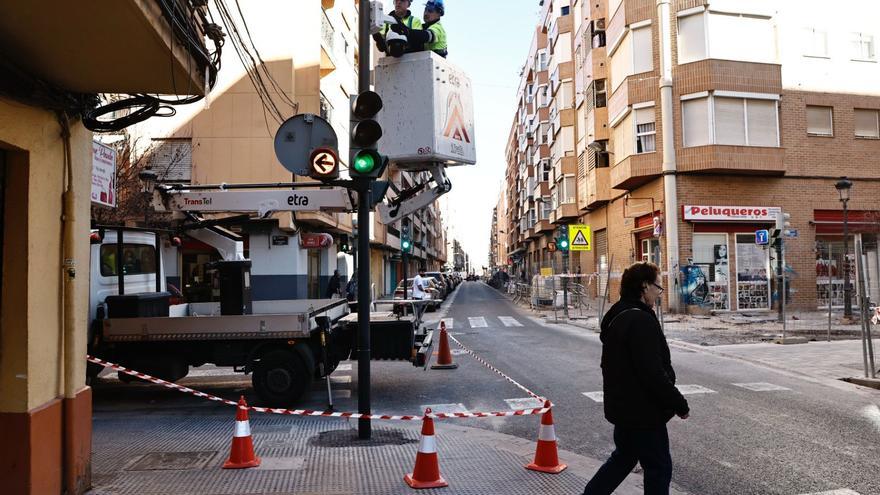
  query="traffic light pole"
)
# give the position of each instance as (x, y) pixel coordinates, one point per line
(363, 188)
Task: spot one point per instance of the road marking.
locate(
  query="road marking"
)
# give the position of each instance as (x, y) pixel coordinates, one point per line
(840, 491)
(596, 396)
(478, 322)
(524, 403)
(450, 323)
(340, 379)
(211, 371)
(509, 321)
(457, 352)
(344, 367)
(760, 386)
(694, 389)
(872, 413)
(445, 408)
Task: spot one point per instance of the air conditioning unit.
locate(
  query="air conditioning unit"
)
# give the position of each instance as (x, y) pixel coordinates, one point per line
(600, 24)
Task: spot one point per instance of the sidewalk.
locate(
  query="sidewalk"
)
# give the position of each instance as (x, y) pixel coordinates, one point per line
(164, 453)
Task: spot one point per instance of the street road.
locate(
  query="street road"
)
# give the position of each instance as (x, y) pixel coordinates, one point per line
(752, 430)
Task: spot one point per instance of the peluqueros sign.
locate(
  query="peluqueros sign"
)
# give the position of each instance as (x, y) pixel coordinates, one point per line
(701, 213)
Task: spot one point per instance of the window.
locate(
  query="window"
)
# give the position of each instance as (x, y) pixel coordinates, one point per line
(692, 38)
(867, 123)
(820, 121)
(601, 99)
(862, 46)
(643, 50)
(564, 10)
(711, 256)
(695, 122)
(815, 42)
(737, 121)
(545, 170)
(137, 259)
(646, 132)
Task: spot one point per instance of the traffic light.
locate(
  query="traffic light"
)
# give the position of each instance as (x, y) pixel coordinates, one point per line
(562, 242)
(782, 223)
(405, 241)
(344, 247)
(365, 160)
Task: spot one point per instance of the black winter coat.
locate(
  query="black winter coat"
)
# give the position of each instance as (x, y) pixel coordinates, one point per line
(638, 379)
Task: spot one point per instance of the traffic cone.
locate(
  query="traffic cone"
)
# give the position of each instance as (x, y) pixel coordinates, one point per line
(241, 454)
(546, 458)
(426, 474)
(444, 356)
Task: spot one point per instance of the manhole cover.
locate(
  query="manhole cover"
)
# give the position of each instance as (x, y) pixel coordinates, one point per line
(349, 438)
(172, 461)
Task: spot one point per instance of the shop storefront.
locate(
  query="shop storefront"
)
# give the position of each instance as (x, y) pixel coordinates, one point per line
(831, 263)
(728, 270)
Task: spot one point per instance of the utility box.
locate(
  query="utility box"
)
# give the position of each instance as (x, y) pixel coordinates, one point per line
(427, 111)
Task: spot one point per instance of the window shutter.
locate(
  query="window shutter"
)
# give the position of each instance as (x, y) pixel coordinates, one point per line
(691, 38)
(695, 121)
(643, 50)
(762, 123)
(730, 121)
(867, 123)
(819, 121)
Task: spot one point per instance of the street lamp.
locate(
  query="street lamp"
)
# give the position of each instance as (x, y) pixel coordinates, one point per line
(843, 187)
(148, 181)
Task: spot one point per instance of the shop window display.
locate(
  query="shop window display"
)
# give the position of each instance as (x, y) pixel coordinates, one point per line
(752, 274)
(711, 256)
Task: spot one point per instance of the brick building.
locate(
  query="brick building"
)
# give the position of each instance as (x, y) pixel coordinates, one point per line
(755, 108)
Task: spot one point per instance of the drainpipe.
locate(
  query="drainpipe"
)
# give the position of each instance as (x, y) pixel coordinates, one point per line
(670, 193)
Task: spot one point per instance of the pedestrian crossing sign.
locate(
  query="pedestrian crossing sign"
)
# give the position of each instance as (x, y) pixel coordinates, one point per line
(579, 238)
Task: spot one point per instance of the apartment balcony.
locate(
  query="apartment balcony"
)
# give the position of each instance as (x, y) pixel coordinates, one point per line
(564, 213)
(597, 124)
(633, 90)
(334, 222)
(728, 75)
(542, 189)
(104, 46)
(597, 10)
(542, 77)
(636, 170)
(544, 226)
(721, 159)
(564, 24)
(567, 165)
(598, 187)
(597, 63)
(629, 12)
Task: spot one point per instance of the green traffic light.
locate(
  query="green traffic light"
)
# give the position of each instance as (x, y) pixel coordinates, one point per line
(364, 162)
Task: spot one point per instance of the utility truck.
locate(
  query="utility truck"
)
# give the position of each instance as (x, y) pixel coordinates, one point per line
(284, 344)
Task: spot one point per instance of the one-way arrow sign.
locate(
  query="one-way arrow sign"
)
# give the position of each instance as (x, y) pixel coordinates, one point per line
(324, 164)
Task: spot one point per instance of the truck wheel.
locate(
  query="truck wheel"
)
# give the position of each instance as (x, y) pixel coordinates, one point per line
(283, 376)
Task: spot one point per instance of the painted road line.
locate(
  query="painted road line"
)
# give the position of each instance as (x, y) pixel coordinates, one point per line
(211, 371)
(595, 396)
(524, 403)
(445, 408)
(340, 379)
(760, 386)
(344, 367)
(841, 491)
(509, 321)
(450, 323)
(694, 389)
(478, 322)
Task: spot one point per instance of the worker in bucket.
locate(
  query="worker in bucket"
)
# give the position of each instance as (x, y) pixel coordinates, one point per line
(405, 20)
(431, 36)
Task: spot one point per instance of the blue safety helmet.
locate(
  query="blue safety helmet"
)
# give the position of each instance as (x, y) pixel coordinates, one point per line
(435, 6)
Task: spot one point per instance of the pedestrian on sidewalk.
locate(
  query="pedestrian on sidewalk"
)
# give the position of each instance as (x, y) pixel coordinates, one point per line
(639, 386)
(333, 289)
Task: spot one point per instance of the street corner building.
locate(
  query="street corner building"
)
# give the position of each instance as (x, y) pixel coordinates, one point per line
(677, 130)
(52, 72)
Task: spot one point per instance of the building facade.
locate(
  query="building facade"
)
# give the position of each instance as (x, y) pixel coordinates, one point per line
(52, 72)
(690, 135)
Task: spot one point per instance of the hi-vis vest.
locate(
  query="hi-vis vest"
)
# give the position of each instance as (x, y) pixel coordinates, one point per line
(410, 21)
(439, 43)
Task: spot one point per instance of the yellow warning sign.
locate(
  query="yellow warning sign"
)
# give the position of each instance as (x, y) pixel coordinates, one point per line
(546, 272)
(579, 238)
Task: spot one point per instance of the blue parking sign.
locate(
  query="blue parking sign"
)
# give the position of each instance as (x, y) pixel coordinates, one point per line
(762, 237)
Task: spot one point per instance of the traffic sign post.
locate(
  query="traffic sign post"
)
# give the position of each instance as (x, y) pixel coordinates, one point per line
(324, 164)
(298, 137)
(580, 237)
(762, 237)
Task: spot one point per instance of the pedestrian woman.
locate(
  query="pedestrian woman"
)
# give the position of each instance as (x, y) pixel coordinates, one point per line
(639, 386)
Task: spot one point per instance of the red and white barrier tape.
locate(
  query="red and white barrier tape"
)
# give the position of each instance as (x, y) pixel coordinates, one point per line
(496, 370)
(307, 412)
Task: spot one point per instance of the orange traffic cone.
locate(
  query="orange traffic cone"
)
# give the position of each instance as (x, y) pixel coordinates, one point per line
(546, 458)
(426, 474)
(241, 455)
(444, 356)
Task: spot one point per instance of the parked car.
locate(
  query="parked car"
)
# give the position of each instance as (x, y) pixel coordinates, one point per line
(398, 293)
(444, 287)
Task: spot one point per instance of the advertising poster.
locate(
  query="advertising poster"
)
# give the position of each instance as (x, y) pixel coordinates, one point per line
(103, 175)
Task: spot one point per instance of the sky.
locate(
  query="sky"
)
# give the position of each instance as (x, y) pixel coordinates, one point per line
(489, 40)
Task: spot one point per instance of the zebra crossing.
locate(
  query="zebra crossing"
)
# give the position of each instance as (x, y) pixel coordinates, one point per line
(691, 389)
(477, 322)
